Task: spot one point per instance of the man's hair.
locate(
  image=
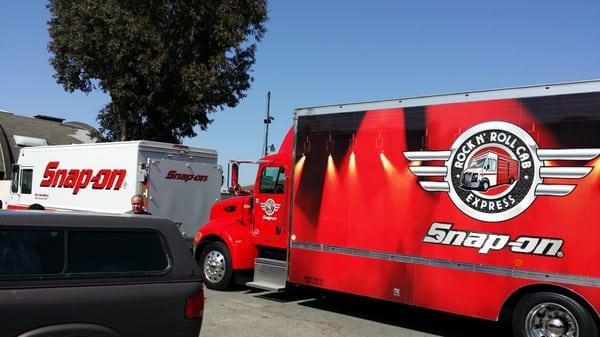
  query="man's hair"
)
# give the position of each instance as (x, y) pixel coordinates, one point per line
(137, 196)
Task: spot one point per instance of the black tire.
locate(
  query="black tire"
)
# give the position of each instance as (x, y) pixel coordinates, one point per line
(485, 185)
(511, 180)
(215, 261)
(539, 314)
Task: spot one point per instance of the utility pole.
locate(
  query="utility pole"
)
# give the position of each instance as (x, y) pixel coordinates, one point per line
(267, 121)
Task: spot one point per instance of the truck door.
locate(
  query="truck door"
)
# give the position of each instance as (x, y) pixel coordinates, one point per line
(183, 192)
(270, 204)
(21, 186)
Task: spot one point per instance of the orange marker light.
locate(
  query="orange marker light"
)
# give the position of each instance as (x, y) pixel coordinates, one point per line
(330, 166)
(299, 166)
(387, 165)
(352, 165)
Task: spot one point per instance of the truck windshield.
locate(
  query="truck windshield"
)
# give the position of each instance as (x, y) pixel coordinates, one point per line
(478, 163)
(14, 186)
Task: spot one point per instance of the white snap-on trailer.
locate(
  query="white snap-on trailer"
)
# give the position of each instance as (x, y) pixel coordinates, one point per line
(177, 182)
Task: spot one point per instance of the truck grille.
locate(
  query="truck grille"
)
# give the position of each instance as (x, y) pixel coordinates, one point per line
(466, 178)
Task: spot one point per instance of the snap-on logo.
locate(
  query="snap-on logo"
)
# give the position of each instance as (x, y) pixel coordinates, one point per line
(495, 170)
(186, 177)
(104, 179)
(484, 243)
(269, 206)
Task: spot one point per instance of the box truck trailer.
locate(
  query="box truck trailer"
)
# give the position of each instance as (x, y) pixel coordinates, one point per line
(177, 182)
(380, 199)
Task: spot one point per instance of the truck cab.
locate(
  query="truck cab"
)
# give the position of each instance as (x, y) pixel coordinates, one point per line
(250, 229)
(489, 169)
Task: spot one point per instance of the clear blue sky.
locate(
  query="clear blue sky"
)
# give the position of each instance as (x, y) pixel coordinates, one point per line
(328, 52)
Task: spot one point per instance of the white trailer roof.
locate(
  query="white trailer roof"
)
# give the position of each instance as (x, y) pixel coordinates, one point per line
(144, 145)
(471, 96)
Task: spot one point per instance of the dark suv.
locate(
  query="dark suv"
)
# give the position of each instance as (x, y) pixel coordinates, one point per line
(81, 275)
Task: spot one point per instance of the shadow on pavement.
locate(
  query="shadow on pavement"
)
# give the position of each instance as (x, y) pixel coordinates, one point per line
(293, 294)
(408, 317)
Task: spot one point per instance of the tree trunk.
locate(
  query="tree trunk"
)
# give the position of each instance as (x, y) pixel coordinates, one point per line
(120, 113)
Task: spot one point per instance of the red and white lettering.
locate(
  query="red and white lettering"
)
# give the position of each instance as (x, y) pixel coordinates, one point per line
(79, 179)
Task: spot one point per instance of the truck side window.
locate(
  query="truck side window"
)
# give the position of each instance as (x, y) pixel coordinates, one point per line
(26, 181)
(272, 180)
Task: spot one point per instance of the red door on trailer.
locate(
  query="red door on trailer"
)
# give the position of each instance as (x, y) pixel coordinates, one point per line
(513, 170)
(503, 169)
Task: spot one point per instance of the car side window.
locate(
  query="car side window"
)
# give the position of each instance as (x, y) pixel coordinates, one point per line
(99, 252)
(272, 180)
(25, 252)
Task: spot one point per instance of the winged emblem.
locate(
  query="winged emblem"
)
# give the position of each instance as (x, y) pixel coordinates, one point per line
(269, 206)
(495, 170)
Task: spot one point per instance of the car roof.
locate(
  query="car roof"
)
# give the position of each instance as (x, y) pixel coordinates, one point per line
(82, 220)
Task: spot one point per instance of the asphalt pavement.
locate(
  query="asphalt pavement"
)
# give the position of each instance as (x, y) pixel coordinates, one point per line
(309, 312)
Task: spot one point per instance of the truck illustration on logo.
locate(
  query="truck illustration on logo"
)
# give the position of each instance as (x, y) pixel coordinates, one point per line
(488, 169)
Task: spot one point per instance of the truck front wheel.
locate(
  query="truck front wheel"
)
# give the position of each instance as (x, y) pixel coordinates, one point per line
(549, 314)
(216, 265)
(485, 185)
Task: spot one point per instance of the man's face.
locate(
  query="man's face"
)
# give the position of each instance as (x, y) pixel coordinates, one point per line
(137, 206)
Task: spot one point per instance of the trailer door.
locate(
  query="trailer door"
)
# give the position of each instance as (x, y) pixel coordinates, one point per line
(183, 192)
(269, 204)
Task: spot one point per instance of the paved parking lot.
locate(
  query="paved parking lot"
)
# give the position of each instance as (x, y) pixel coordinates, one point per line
(308, 313)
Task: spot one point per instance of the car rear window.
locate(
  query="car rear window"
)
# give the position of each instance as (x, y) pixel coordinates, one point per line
(92, 251)
(31, 252)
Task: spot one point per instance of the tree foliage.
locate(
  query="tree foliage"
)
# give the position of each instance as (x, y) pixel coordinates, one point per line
(166, 64)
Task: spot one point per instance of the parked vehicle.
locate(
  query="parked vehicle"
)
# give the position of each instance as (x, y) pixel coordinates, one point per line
(65, 274)
(178, 182)
(490, 169)
(369, 199)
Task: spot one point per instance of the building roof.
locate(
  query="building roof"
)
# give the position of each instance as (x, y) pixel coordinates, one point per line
(18, 131)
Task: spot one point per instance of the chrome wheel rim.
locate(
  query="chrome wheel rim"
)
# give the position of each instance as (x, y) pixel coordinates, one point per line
(214, 266)
(551, 320)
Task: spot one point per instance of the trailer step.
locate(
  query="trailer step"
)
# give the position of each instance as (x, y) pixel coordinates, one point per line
(269, 274)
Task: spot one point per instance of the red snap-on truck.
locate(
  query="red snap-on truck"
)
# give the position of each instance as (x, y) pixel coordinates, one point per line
(371, 199)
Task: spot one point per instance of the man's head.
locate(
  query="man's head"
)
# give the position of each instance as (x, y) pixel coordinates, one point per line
(137, 204)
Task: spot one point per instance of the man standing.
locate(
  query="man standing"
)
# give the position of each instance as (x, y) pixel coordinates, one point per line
(137, 206)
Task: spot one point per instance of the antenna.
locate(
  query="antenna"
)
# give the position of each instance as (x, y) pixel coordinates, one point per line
(267, 121)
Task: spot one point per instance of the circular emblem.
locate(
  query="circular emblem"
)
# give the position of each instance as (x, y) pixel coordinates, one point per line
(270, 207)
(491, 171)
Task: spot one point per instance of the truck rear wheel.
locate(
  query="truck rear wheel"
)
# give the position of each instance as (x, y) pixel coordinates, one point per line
(215, 260)
(549, 314)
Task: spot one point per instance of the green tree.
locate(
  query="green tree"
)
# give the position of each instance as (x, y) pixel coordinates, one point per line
(166, 64)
